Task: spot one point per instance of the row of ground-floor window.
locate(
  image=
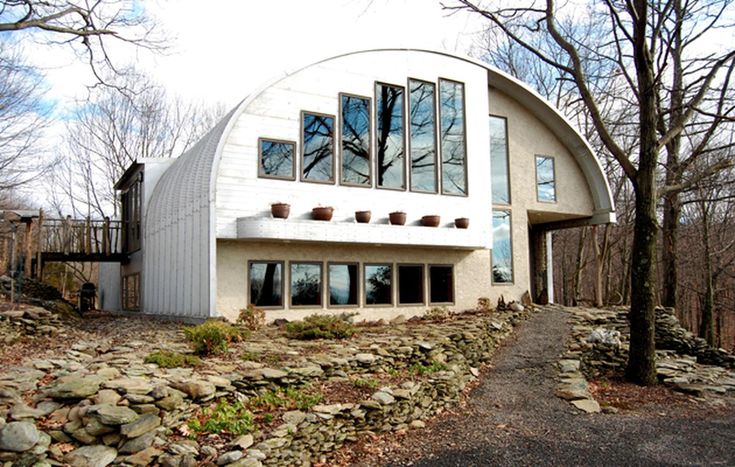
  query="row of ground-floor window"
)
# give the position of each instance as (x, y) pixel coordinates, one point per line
(348, 284)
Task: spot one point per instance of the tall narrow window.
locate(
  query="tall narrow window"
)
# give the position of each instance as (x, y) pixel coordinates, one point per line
(499, 160)
(502, 247)
(317, 147)
(355, 141)
(410, 284)
(378, 284)
(391, 150)
(422, 135)
(276, 159)
(453, 137)
(131, 292)
(131, 213)
(266, 283)
(441, 284)
(545, 179)
(343, 284)
(306, 284)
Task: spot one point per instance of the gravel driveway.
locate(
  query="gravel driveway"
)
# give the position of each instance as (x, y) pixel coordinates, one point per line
(513, 418)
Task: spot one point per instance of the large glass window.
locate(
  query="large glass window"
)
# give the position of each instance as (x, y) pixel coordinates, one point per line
(391, 143)
(502, 247)
(453, 138)
(378, 284)
(499, 160)
(306, 284)
(355, 141)
(266, 283)
(410, 284)
(317, 147)
(343, 284)
(441, 284)
(422, 135)
(545, 179)
(276, 159)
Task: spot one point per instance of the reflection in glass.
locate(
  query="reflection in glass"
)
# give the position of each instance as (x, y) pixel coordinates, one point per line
(441, 284)
(355, 140)
(318, 148)
(502, 247)
(410, 284)
(451, 111)
(266, 281)
(378, 288)
(545, 183)
(499, 160)
(306, 284)
(276, 159)
(343, 284)
(390, 140)
(422, 131)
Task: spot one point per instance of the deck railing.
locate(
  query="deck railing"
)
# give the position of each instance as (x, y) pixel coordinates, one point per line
(81, 236)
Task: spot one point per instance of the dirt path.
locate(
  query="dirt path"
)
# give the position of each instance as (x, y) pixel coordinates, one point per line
(513, 418)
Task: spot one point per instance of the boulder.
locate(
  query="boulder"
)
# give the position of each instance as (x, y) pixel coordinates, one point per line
(113, 414)
(18, 436)
(91, 456)
(75, 388)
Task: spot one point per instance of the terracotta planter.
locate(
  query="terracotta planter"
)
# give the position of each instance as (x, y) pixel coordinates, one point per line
(280, 210)
(462, 222)
(322, 214)
(397, 218)
(363, 217)
(431, 221)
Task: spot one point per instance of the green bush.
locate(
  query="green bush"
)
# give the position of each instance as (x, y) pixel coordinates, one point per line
(421, 369)
(252, 318)
(366, 383)
(233, 418)
(213, 337)
(322, 327)
(289, 398)
(168, 359)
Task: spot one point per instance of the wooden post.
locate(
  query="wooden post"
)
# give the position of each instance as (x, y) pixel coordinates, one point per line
(88, 236)
(39, 247)
(4, 257)
(28, 248)
(106, 236)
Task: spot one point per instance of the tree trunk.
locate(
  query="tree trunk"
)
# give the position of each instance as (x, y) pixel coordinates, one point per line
(670, 233)
(707, 322)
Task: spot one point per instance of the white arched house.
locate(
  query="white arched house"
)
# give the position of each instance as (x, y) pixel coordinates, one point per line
(421, 132)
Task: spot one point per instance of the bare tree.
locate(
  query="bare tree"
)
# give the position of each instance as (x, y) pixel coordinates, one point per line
(634, 46)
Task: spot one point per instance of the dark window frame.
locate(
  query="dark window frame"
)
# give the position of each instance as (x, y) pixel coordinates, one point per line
(423, 284)
(302, 178)
(321, 284)
(554, 179)
(283, 283)
(409, 159)
(512, 259)
(441, 145)
(507, 164)
(370, 141)
(392, 286)
(131, 200)
(359, 281)
(293, 162)
(454, 283)
(404, 180)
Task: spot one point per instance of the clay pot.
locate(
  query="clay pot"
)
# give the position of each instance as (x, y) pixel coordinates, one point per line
(322, 213)
(431, 221)
(363, 217)
(280, 210)
(397, 218)
(462, 222)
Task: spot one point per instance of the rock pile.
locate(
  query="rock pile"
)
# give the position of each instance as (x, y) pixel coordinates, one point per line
(31, 321)
(105, 406)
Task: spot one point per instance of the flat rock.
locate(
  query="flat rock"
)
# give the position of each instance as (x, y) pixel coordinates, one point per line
(91, 456)
(244, 441)
(21, 411)
(135, 385)
(143, 424)
(18, 436)
(138, 444)
(114, 414)
(587, 405)
(75, 388)
(383, 398)
(144, 457)
(229, 457)
(197, 389)
(272, 373)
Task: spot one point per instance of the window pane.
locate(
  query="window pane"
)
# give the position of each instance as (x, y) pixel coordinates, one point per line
(422, 132)
(266, 280)
(390, 139)
(451, 110)
(276, 159)
(306, 284)
(441, 284)
(318, 147)
(378, 287)
(410, 284)
(499, 161)
(502, 247)
(343, 284)
(355, 140)
(545, 183)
